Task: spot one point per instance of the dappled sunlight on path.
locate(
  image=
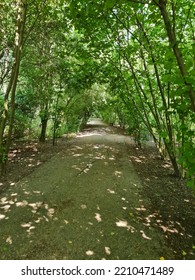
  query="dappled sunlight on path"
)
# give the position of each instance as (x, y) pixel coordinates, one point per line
(87, 202)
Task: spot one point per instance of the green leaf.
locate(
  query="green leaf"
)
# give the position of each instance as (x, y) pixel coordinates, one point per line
(163, 134)
(109, 4)
(184, 253)
(167, 78)
(191, 184)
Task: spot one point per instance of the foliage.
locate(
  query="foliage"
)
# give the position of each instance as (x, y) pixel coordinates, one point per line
(130, 63)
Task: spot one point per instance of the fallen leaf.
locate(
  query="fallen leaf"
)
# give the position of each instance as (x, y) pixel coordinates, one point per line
(38, 220)
(22, 203)
(50, 212)
(9, 240)
(2, 217)
(98, 217)
(14, 194)
(11, 202)
(6, 207)
(4, 200)
(164, 228)
(144, 235)
(142, 208)
(30, 228)
(33, 205)
(26, 192)
(122, 224)
(26, 225)
(46, 219)
(89, 253)
(107, 250)
(110, 191)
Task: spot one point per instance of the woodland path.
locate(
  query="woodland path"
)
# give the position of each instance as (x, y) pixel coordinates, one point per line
(86, 202)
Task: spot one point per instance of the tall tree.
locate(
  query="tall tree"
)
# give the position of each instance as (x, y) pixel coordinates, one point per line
(21, 11)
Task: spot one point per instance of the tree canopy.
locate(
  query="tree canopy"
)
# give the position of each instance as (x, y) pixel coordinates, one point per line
(130, 62)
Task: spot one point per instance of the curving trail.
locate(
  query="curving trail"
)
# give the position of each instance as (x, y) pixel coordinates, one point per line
(86, 202)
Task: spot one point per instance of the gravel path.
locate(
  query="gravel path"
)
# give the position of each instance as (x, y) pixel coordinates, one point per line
(86, 202)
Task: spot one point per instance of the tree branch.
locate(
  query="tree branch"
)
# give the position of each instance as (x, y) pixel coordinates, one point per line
(188, 16)
(142, 2)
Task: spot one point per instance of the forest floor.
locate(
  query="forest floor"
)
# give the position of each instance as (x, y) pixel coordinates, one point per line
(95, 196)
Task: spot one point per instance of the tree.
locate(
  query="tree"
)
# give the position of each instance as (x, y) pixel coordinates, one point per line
(21, 10)
(150, 64)
(135, 55)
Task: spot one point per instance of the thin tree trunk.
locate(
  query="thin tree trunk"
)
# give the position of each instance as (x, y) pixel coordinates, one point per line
(55, 119)
(177, 52)
(173, 160)
(44, 121)
(143, 117)
(42, 137)
(20, 25)
(170, 145)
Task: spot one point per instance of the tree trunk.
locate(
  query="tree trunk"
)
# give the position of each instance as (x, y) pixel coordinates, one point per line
(54, 131)
(55, 125)
(177, 52)
(173, 159)
(20, 25)
(161, 148)
(43, 130)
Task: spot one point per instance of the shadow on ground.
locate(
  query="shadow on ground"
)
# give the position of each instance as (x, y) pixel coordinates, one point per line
(88, 202)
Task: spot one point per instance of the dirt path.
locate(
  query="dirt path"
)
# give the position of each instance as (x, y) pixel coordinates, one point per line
(86, 202)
